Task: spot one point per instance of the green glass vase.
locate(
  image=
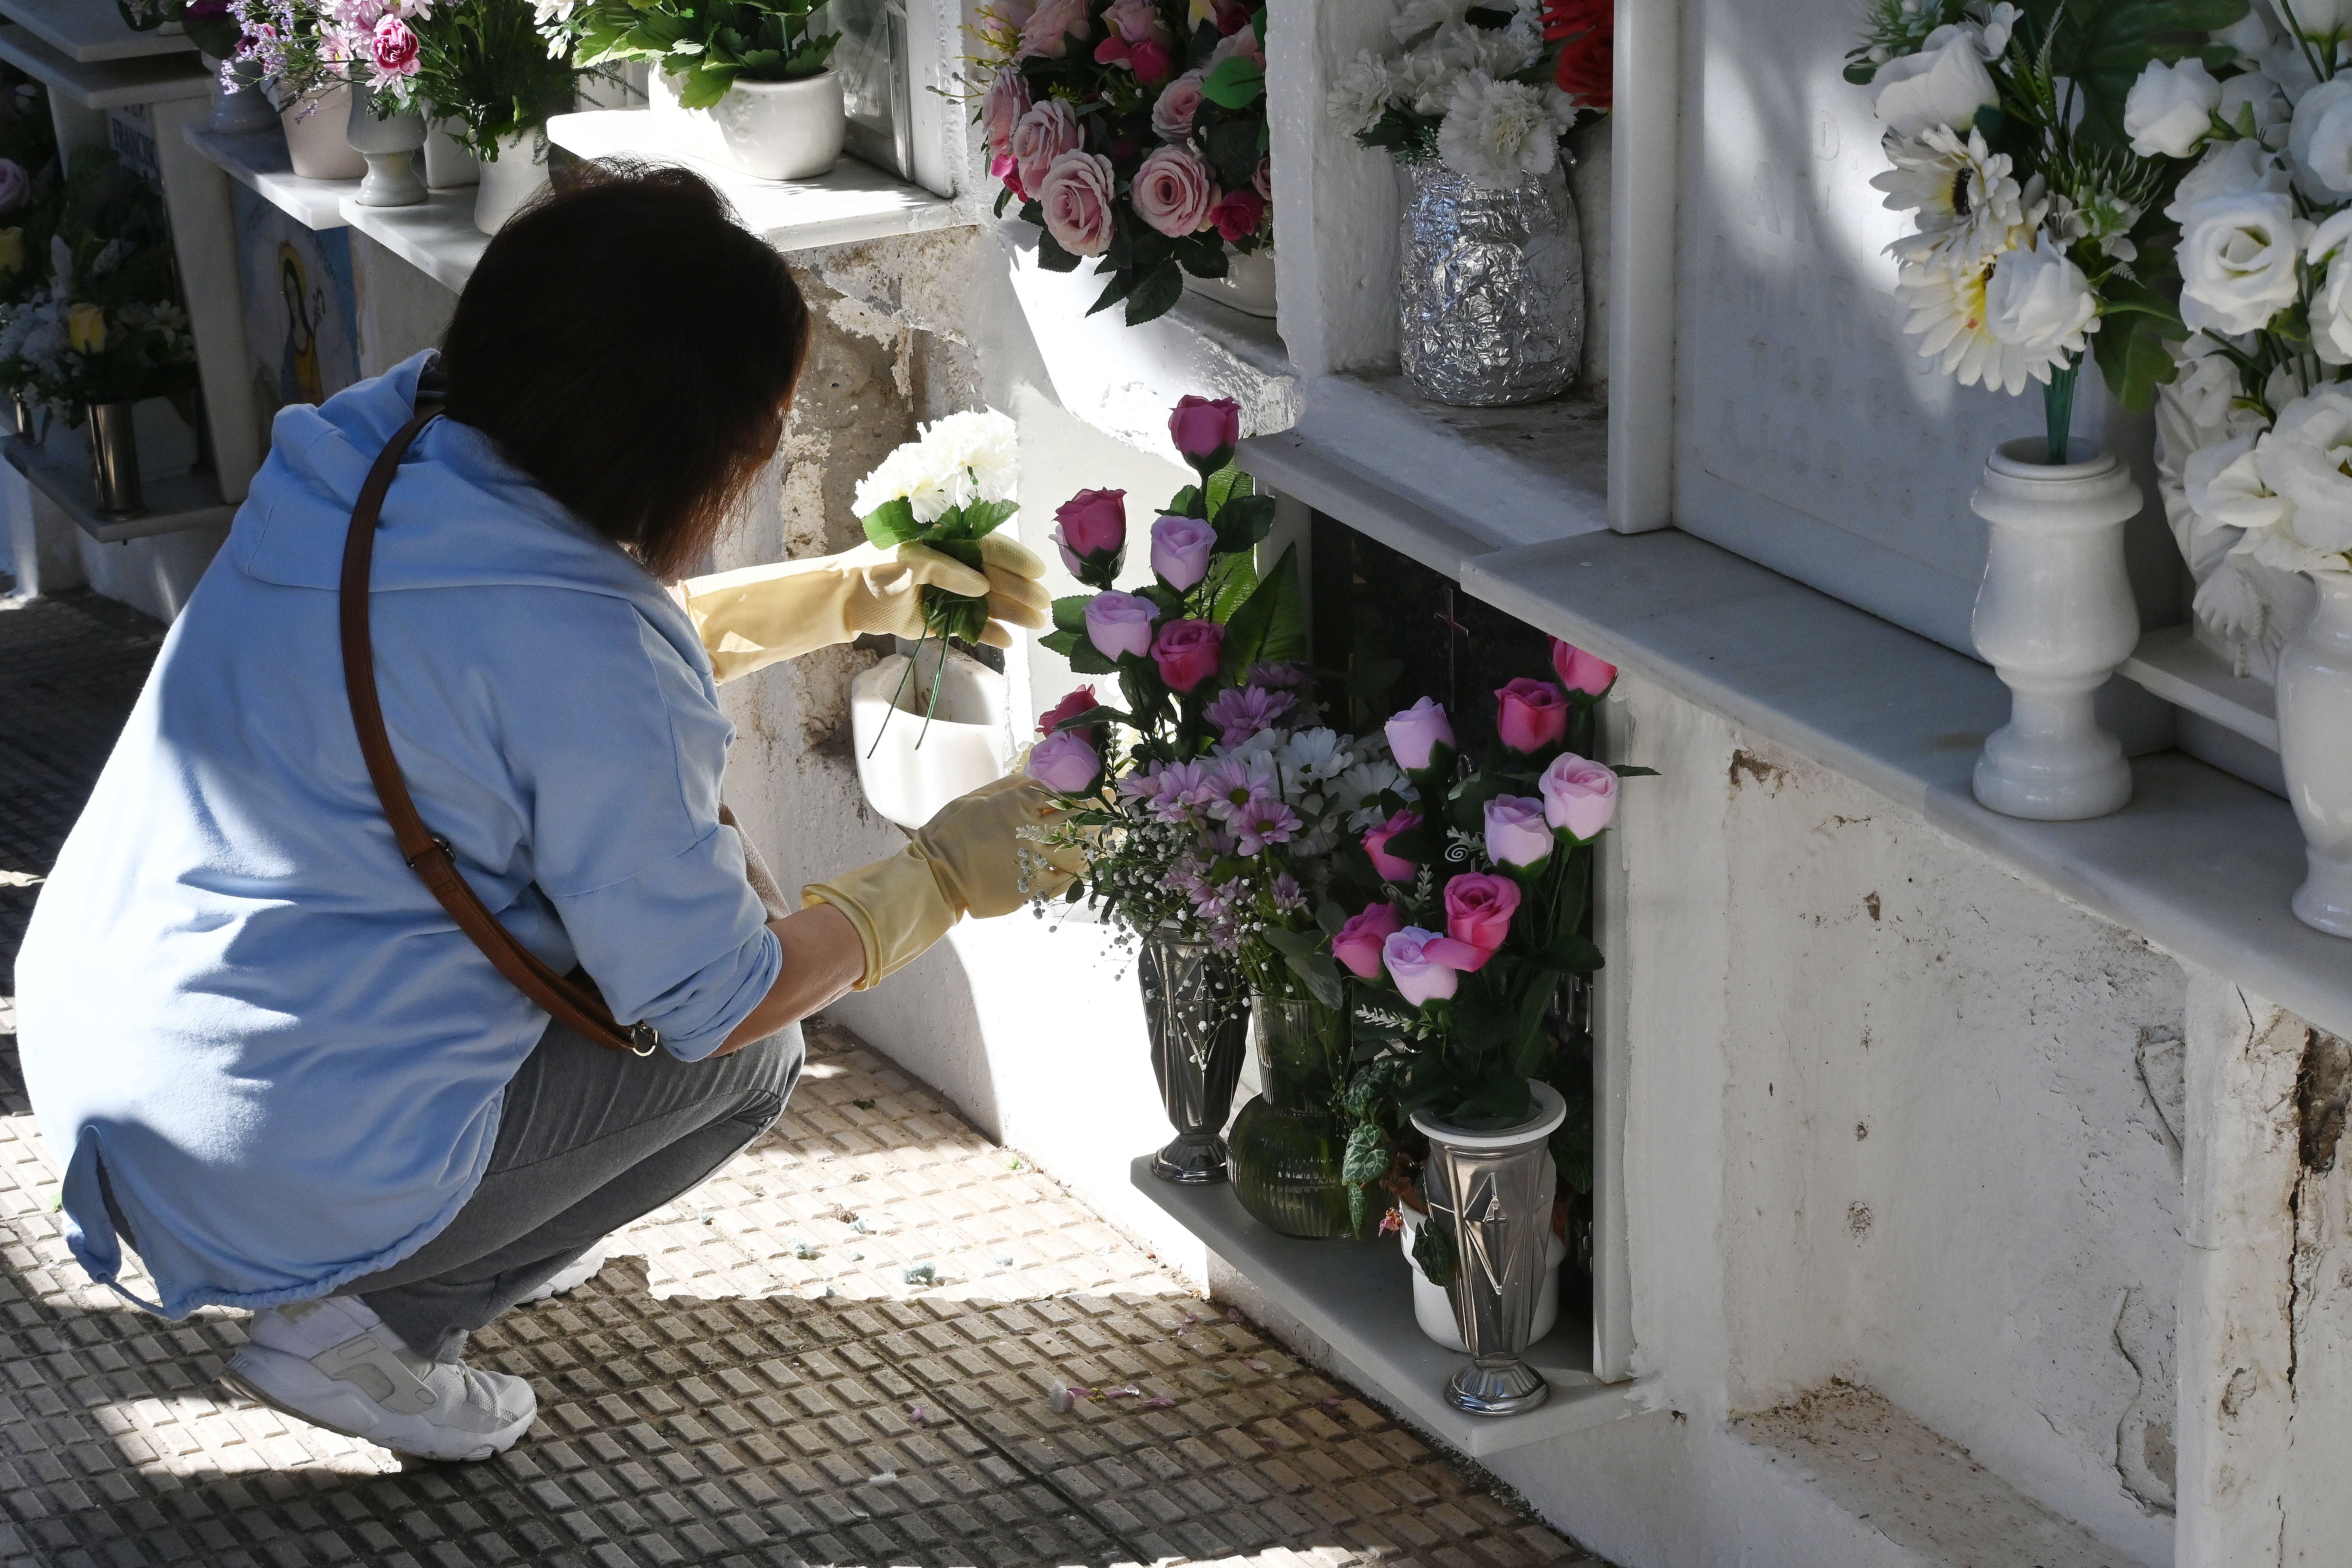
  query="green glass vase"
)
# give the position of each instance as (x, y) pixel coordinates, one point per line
(1287, 1144)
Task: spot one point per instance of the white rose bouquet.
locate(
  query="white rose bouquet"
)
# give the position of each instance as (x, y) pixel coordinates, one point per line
(2040, 167)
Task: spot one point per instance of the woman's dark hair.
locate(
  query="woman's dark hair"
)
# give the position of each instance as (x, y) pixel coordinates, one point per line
(634, 351)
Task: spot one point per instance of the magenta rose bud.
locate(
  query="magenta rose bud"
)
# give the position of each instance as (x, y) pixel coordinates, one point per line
(1090, 530)
(1151, 62)
(1358, 945)
(1188, 652)
(1516, 831)
(1392, 867)
(1419, 976)
(1065, 764)
(1180, 551)
(1580, 671)
(1120, 623)
(1415, 734)
(1580, 796)
(1478, 910)
(1206, 430)
(1530, 714)
(1082, 700)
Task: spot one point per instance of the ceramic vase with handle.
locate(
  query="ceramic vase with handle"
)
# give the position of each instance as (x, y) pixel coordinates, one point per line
(390, 143)
(1490, 1197)
(2055, 618)
(1195, 1010)
(2315, 720)
(315, 142)
(510, 179)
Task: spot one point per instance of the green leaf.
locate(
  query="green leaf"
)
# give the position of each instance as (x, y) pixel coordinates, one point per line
(1050, 254)
(1434, 1251)
(1064, 641)
(1087, 659)
(1070, 613)
(981, 518)
(1322, 978)
(1226, 483)
(1367, 1156)
(892, 523)
(1156, 294)
(1233, 146)
(2101, 46)
(1271, 623)
(2132, 350)
(1232, 579)
(1244, 520)
(1572, 952)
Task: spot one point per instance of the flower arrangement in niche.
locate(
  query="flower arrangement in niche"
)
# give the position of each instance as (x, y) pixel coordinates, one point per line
(708, 45)
(2041, 200)
(208, 23)
(1132, 134)
(1488, 90)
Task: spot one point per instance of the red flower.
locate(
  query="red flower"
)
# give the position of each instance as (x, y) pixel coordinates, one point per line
(1082, 700)
(1238, 215)
(1585, 31)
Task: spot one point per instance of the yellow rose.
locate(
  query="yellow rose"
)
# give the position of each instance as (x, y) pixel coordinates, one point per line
(12, 251)
(86, 328)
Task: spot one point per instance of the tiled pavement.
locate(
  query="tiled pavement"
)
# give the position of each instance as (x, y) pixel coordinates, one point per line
(875, 1338)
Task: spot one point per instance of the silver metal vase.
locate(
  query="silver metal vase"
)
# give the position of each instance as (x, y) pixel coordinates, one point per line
(1197, 1011)
(115, 460)
(1490, 288)
(1492, 1192)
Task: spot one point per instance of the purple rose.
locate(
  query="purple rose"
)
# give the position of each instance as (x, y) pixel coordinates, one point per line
(1580, 796)
(1418, 977)
(1065, 764)
(1119, 624)
(1517, 833)
(1180, 551)
(1416, 732)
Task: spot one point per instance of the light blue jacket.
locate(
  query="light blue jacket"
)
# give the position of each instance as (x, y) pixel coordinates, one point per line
(235, 994)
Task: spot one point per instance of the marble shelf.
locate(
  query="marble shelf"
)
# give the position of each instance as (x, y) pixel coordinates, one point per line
(184, 501)
(89, 31)
(257, 161)
(2172, 664)
(435, 235)
(105, 83)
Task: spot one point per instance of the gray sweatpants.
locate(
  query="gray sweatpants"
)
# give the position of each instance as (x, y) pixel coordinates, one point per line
(588, 1140)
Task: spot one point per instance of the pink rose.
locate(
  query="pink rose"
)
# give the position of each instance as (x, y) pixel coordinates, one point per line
(1580, 796)
(1205, 429)
(1134, 21)
(1242, 41)
(1078, 193)
(1580, 671)
(1119, 624)
(1082, 700)
(1263, 181)
(1358, 945)
(1478, 910)
(1003, 168)
(1180, 551)
(1530, 714)
(1392, 869)
(393, 47)
(1172, 111)
(1008, 100)
(1091, 522)
(1238, 215)
(1152, 61)
(1174, 191)
(1415, 735)
(1517, 833)
(1049, 129)
(1047, 32)
(1065, 764)
(1418, 974)
(1233, 16)
(1188, 652)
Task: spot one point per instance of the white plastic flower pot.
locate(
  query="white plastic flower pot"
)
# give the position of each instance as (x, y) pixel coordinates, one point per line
(909, 769)
(447, 165)
(1432, 1310)
(2314, 717)
(1248, 285)
(2054, 617)
(315, 142)
(783, 130)
(510, 179)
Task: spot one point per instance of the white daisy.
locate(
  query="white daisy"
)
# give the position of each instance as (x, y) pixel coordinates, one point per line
(1969, 204)
(1949, 319)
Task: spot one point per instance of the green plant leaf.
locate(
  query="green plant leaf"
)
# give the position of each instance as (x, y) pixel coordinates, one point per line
(892, 523)
(1087, 659)
(1064, 641)
(1234, 83)
(2101, 46)
(1051, 257)
(1367, 1157)
(983, 518)
(1243, 521)
(1070, 613)
(1270, 624)
(1156, 294)
(1433, 1250)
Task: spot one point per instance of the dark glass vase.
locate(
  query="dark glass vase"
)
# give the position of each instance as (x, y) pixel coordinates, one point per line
(1286, 1143)
(1193, 1009)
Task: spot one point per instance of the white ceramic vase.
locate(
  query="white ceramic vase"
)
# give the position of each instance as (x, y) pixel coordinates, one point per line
(783, 130)
(237, 113)
(909, 769)
(315, 139)
(390, 143)
(510, 179)
(1248, 285)
(2314, 719)
(2056, 617)
(447, 165)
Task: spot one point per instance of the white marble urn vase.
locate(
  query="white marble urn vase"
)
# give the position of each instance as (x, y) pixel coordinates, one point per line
(390, 143)
(2314, 717)
(2056, 617)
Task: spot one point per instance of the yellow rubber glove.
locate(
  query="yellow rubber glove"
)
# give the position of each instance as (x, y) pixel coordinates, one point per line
(970, 859)
(752, 617)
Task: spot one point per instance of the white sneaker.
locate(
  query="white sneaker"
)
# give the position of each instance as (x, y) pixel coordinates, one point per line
(582, 1270)
(334, 1363)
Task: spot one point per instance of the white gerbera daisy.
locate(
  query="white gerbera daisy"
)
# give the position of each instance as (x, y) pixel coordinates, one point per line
(1312, 756)
(1949, 319)
(1359, 789)
(1969, 204)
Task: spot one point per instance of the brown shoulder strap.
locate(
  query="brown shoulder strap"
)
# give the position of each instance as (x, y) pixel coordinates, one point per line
(427, 853)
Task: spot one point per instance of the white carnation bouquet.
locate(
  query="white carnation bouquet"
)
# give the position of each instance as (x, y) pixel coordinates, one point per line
(2043, 227)
(2257, 431)
(1486, 89)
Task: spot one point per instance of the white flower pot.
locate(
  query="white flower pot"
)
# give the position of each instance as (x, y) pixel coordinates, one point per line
(782, 129)
(2054, 617)
(315, 142)
(390, 143)
(447, 165)
(238, 113)
(1248, 285)
(1434, 1311)
(2314, 718)
(909, 771)
(510, 179)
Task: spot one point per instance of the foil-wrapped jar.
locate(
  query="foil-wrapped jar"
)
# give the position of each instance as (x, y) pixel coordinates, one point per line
(1490, 288)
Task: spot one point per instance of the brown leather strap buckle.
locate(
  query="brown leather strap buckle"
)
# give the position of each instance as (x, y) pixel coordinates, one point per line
(439, 845)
